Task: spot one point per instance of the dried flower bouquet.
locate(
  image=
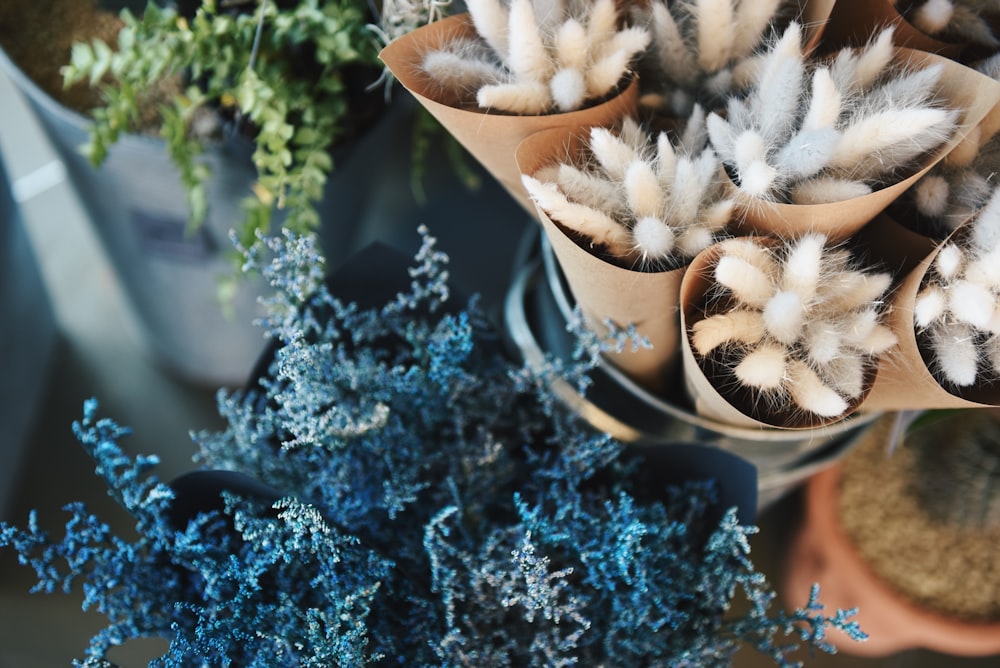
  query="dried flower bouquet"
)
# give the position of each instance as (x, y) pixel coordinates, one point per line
(787, 334)
(506, 70)
(947, 315)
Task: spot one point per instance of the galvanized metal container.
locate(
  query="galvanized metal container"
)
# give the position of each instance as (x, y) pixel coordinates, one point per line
(537, 310)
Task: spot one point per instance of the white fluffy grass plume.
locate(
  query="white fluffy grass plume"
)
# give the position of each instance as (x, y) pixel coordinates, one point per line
(652, 202)
(538, 56)
(815, 132)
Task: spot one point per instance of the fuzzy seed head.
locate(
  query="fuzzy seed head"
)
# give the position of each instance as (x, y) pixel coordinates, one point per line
(763, 368)
(653, 238)
(784, 314)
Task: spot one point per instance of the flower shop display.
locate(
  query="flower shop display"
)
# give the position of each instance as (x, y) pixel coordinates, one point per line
(542, 323)
(370, 503)
(909, 537)
(512, 42)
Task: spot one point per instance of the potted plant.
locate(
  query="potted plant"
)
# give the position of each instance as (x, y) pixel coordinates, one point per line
(211, 116)
(376, 505)
(909, 536)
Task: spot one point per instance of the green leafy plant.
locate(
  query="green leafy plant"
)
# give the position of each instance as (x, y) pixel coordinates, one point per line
(296, 76)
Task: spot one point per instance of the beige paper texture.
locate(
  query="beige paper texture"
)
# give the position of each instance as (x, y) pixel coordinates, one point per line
(975, 94)
(490, 137)
(603, 290)
(707, 399)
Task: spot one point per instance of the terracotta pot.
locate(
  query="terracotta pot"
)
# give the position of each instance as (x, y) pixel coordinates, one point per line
(822, 553)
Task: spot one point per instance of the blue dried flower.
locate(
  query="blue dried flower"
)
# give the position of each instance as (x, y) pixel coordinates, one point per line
(390, 489)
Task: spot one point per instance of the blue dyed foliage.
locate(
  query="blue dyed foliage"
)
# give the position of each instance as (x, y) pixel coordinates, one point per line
(439, 508)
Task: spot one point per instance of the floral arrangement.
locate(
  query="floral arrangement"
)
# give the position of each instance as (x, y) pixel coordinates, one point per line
(957, 307)
(386, 510)
(780, 128)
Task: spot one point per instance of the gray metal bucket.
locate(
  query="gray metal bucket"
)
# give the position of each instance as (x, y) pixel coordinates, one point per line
(137, 205)
(27, 339)
(536, 313)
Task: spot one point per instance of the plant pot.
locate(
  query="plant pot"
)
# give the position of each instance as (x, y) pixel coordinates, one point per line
(137, 204)
(27, 339)
(822, 552)
(537, 310)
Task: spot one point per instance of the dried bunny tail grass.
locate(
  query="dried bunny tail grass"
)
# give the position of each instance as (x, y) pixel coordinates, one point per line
(933, 16)
(845, 375)
(752, 19)
(809, 392)
(763, 368)
(855, 70)
(744, 280)
(969, 25)
(986, 226)
(930, 305)
(949, 261)
(715, 26)
(491, 20)
(602, 21)
(753, 253)
(971, 303)
(739, 326)
(588, 188)
(674, 57)
(462, 68)
(850, 290)
(568, 88)
(806, 154)
(827, 190)
(597, 226)
(825, 103)
(528, 56)
(956, 357)
(900, 89)
(613, 154)
(604, 74)
(653, 239)
(784, 316)
(642, 190)
(694, 179)
(519, 97)
(885, 142)
(802, 268)
(777, 97)
(571, 45)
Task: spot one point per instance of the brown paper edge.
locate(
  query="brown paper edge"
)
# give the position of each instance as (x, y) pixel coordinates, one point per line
(964, 88)
(855, 22)
(490, 138)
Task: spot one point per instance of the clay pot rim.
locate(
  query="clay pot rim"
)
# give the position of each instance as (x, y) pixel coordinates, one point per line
(920, 626)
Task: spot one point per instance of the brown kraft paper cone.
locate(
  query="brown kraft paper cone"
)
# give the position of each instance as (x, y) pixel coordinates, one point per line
(975, 94)
(854, 22)
(707, 400)
(904, 382)
(647, 300)
(490, 137)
